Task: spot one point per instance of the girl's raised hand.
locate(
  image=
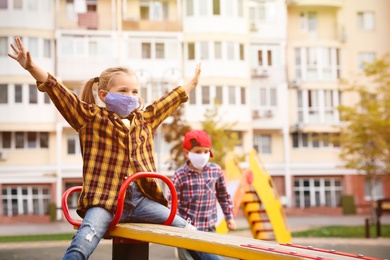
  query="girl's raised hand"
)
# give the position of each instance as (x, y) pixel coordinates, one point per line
(24, 58)
(189, 86)
(21, 54)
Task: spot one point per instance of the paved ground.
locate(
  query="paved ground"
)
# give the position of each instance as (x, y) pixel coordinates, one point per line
(375, 247)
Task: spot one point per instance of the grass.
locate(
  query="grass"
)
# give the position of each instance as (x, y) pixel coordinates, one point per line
(343, 232)
(30, 238)
(329, 232)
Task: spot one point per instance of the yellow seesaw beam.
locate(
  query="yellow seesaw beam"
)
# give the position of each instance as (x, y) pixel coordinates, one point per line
(220, 244)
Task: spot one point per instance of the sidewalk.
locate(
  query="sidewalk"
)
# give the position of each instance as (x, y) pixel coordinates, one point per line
(295, 223)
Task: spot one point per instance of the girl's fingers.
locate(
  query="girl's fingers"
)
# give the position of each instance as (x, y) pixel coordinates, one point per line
(19, 43)
(12, 56)
(14, 48)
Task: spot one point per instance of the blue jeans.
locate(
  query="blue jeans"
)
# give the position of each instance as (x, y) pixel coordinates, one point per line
(137, 208)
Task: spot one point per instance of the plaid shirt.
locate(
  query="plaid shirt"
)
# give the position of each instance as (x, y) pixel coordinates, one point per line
(111, 151)
(197, 195)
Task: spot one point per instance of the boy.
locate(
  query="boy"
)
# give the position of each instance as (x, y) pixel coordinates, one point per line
(199, 185)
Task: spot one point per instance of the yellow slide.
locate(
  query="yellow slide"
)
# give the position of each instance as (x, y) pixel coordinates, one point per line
(256, 194)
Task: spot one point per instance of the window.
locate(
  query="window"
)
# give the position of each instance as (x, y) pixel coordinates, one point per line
(153, 10)
(218, 50)
(204, 50)
(46, 98)
(146, 50)
(190, 8)
(260, 58)
(33, 46)
(73, 145)
(265, 96)
(205, 95)
(242, 52)
(3, 4)
(229, 8)
(230, 51)
(44, 140)
(93, 48)
(377, 189)
(219, 94)
(33, 94)
(19, 140)
(243, 95)
(317, 64)
(265, 57)
(240, 7)
(20, 200)
(3, 94)
(364, 59)
(3, 46)
(262, 12)
(203, 7)
(366, 21)
(262, 143)
(31, 139)
(160, 51)
(32, 5)
(315, 192)
(193, 97)
(308, 21)
(191, 51)
(313, 140)
(18, 93)
(216, 7)
(313, 106)
(46, 48)
(311, 61)
(6, 139)
(318, 106)
(232, 95)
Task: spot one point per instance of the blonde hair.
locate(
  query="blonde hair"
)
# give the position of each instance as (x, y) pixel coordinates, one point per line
(103, 82)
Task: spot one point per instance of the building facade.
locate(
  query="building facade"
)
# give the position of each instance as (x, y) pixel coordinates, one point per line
(273, 65)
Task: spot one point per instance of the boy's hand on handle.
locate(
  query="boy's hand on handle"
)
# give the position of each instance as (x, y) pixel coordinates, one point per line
(189, 86)
(23, 57)
(231, 224)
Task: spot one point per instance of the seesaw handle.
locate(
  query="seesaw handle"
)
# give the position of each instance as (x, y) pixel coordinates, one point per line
(121, 198)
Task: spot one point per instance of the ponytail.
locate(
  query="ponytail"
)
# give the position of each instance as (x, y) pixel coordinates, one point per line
(87, 92)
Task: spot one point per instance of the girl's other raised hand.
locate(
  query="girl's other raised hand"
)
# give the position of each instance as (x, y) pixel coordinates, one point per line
(21, 55)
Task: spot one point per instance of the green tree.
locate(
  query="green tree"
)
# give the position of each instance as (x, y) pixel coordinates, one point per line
(175, 134)
(223, 139)
(365, 138)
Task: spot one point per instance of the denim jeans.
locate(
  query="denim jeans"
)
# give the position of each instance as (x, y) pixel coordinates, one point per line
(137, 208)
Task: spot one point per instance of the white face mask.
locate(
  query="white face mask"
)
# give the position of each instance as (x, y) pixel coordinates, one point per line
(199, 160)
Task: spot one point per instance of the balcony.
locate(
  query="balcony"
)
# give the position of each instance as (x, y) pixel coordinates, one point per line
(329, 3)
(88, 20)
(146, 25)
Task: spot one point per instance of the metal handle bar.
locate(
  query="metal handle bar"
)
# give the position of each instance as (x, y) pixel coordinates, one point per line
(121, 198)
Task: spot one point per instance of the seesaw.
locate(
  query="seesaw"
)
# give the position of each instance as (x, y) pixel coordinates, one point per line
(131, 240)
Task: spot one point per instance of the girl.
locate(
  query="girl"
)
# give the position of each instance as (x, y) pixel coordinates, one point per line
(116, 141)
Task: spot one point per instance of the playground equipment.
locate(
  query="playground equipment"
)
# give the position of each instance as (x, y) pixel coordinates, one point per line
(131, 239)
(257, 196)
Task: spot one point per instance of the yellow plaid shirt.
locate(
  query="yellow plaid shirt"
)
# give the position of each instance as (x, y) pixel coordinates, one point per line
(112, 151)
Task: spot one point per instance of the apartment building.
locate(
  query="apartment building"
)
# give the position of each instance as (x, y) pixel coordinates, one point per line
(328, 41)
(274, 66)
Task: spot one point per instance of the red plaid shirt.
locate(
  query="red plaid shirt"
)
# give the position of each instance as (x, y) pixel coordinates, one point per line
(198, 193)
(111, 151)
